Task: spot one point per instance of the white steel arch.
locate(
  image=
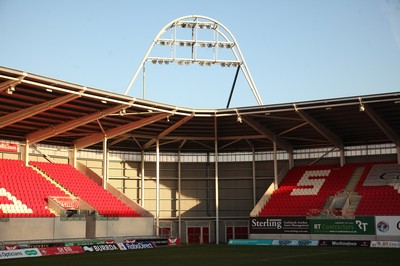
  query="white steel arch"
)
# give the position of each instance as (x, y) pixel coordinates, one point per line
(196, 23)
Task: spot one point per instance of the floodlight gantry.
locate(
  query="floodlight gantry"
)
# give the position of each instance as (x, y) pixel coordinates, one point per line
(223, 39)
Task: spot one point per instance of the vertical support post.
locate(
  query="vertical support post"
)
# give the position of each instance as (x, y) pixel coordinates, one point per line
(72, 157)
(25, 153)
(157, 187)
(275, 167)
(216, 182)
(105, 163)
(398, 154)
(179, 194)
(254, 176)
(291, 160)
(342, 157)
(142, 175)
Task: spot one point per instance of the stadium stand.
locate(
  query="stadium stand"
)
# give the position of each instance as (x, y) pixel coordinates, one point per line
(306, 190)
(24, 192)
(83, 187)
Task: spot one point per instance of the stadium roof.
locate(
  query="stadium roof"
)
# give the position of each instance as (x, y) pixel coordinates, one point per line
(44, 110)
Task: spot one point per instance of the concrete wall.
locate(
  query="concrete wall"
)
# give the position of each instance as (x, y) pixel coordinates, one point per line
(16, 229)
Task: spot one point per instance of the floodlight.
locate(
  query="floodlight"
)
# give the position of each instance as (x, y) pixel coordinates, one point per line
(10, 90)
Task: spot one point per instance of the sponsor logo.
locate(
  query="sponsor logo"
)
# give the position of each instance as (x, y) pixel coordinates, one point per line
(139, 245)
(383, 226)
(8, 147)
(11, 247)
(89, 249)
(30, 252)
(279, 225)
(275, 223)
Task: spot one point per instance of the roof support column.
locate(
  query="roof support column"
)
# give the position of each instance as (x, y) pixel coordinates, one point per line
(275, 167)
(216, 182)
(72, 154)
(291, 159)
(342, 157)
(25, 153)
(398, 154)
(142, 175)
(105, 163)
(157, 186)
(179, 195)
(254, 176)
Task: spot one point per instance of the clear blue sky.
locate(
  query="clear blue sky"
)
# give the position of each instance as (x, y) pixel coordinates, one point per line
(295, 50)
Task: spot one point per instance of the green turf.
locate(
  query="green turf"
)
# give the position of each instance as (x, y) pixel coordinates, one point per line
(225, 255)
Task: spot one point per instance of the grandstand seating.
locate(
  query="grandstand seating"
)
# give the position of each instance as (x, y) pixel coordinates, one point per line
(83, 187)
(24, 192)
(305, 190)
(377, 200)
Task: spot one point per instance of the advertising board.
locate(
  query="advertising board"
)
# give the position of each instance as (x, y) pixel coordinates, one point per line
(19, 253)
(387, 226)
(358, 226)
(50, 251)
(100, 248)
(279, 225)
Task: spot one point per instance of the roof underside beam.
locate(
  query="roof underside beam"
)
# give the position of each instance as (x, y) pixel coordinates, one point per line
(15, 117)
(167, 131)
(268, 134)
(10, 83)
(389, 132)
(321, 129)
(111, 133)
(49, 132)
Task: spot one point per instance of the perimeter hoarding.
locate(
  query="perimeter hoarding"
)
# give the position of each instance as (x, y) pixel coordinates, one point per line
(358, 226)
(279, 225)
(388, 226)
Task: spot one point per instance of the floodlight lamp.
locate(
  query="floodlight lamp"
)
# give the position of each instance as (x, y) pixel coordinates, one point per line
(160, 61)
(201, 26)
(209, 45)
(10, 90)
(162, 42)
(187, 63)
(238, 118)
(221, 45)
(181, 43)
(201, 63)
(208, 63)
(122, 112)
(180, 62)
(191, 25)
(362, 107)
(208, 26)
(166, 62)
(223, 64)
(154, 61)
(202, 44)
(183, 25)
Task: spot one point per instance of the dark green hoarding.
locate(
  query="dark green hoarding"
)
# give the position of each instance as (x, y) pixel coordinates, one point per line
(358, 226)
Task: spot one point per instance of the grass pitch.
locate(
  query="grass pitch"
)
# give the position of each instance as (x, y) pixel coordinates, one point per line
(225, 255)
